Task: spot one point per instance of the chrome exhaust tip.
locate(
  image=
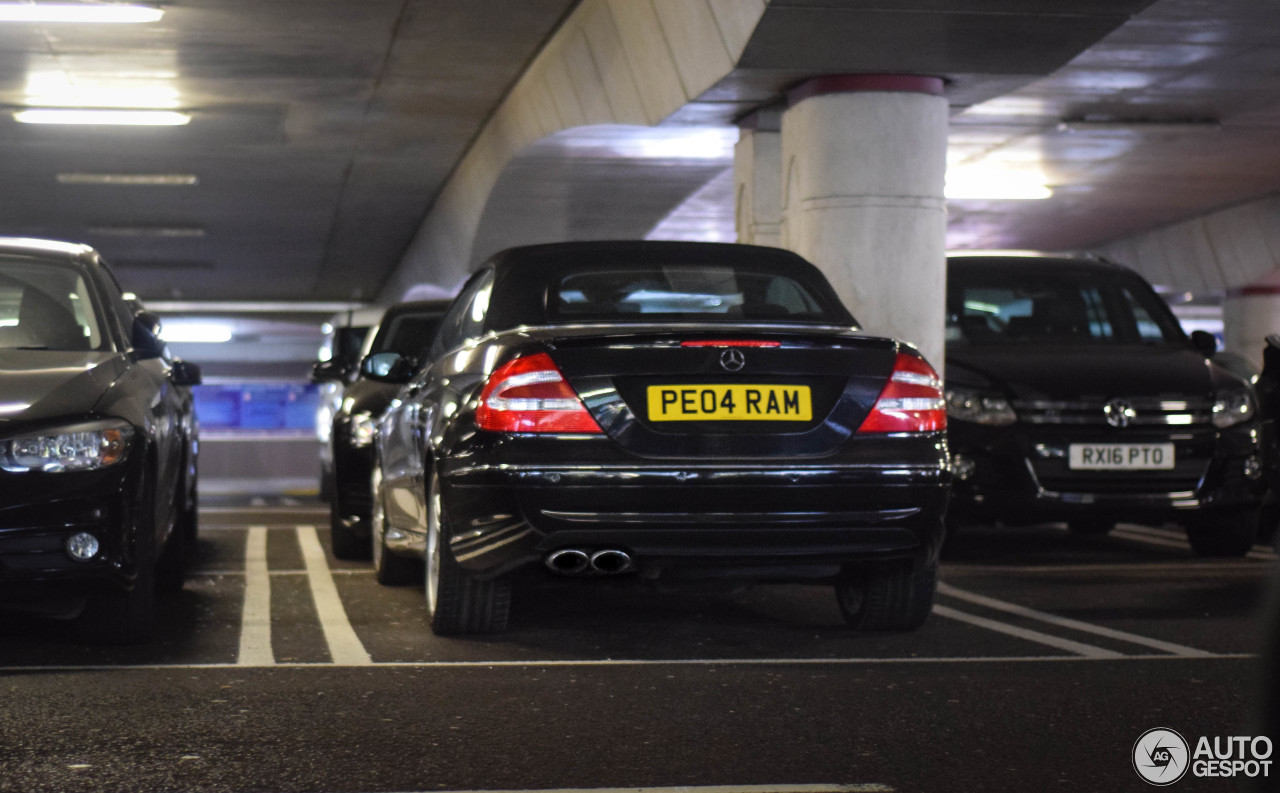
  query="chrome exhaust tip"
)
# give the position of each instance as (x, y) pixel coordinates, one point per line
(611, 561)
(568, 561)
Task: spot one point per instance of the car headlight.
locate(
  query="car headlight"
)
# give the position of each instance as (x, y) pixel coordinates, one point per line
(80, 447)
(363, 426)
(1232, 408)
(966, 405)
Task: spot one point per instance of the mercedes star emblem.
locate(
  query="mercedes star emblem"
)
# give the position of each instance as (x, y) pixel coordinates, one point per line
(733, 360)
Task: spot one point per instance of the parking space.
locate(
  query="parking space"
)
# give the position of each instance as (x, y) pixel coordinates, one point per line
(274, 643)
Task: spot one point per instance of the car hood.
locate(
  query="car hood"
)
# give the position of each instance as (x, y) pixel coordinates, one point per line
(36, 385)
(1066, 373)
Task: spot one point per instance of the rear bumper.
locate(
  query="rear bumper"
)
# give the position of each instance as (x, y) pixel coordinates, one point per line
(775, 522)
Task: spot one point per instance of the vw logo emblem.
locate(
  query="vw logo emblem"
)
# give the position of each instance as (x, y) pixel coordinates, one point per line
(1119, 412)
(733, 360)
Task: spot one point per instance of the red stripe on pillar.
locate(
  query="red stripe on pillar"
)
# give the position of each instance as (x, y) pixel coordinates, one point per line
(852, 83)
(1254, 291)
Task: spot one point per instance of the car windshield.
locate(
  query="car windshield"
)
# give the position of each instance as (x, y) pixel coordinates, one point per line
(1041, 308)
(685, 292)
(46, 306)
(406, 334)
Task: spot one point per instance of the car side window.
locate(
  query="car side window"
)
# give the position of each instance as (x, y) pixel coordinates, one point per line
(466, 317)
(119, 307)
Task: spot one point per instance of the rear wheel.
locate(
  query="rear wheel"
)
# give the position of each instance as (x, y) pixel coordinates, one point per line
(1090, 526)
(388, 568)
(888, 597)
(456, 602)
(1226, 535)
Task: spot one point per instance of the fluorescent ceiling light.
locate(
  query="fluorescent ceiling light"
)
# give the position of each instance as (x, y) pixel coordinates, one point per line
(990, 184)
(148, 231)
(130, 179)
(146, 118)
(1108, 124)
(78, 12)
(199, 332)
(250, 307)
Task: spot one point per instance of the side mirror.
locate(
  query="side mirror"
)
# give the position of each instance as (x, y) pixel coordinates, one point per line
(1204, 342)
(146, 335)
(185, 374)
(389, 367)
(328, 371)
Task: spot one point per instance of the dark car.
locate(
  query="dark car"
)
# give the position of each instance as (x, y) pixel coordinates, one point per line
(98, 444)
(406, 329)
(671, 412)
(344, 338)
(1074, 395)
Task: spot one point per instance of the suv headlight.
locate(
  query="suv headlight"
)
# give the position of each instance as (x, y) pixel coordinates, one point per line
(1232, 408)
(966, 405)
(80, 447)
(363, 426)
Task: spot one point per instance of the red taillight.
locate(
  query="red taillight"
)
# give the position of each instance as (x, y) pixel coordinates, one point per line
(730, 343)
(530, 395)
(911, 401)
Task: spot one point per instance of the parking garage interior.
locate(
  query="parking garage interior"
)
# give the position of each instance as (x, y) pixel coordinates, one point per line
(321, 159)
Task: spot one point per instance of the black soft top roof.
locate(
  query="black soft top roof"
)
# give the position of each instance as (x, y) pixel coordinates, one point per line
(523, 275)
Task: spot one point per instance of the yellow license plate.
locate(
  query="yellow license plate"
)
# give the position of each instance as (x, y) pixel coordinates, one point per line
(729, 403)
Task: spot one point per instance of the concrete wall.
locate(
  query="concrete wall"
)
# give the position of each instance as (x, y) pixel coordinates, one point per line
(1225, 250)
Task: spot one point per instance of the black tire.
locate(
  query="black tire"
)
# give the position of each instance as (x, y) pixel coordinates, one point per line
(888, 597)
(388, 568)
(127, 617)
(179, 551)
(347, 544)
(456, 602)
(1225, 535)
(1090, 526)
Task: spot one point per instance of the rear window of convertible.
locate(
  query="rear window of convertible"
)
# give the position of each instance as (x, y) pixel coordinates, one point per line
(684, 292)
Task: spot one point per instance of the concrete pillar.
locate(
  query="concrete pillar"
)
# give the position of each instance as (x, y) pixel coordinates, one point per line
(863, 167)
(757, 177)
(1249, 315)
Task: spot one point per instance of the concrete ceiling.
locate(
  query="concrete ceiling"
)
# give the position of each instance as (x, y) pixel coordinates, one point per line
(323, 129)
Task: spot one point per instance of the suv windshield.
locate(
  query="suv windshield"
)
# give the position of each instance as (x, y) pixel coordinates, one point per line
(683, 292)
(46, 306)
(1045, 308)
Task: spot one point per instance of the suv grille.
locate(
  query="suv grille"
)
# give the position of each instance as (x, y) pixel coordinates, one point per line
(1146, 412)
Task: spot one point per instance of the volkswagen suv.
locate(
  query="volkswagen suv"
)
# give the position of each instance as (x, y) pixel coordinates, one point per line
(1073, 395)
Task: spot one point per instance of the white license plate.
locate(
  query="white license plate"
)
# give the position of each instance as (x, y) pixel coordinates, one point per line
(1120, 456)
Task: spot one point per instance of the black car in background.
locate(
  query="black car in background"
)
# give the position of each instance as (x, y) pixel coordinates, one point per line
(344, 337)
(1073, 395)
(98, 444)
(406, 329)
(667, 412)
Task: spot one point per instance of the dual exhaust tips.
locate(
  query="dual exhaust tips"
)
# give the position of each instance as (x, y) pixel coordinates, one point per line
(575, 561)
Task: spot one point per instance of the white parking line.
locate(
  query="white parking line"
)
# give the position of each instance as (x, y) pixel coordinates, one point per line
(675, 662)
(1178, 540)
(870, 787)
(1066, 622)
(255, 618)
(345, 648)
(1071, 646)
